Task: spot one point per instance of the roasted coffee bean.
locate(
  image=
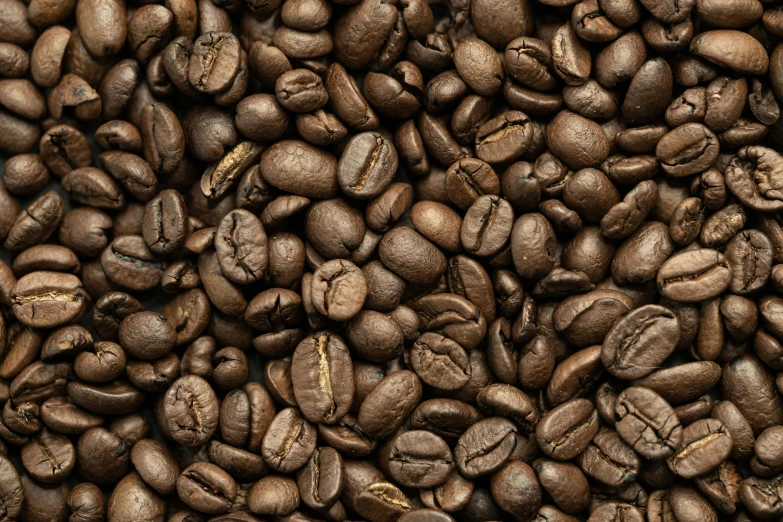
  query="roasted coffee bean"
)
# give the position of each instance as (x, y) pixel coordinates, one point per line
(322, 378)
(706, 443)
(128, 261)
(485, 447)
(647, 423)
(586, 319)
(639, 342)
(57, 299)
(130, 491)
(401, 389)
(367, 165)
(566, 430)
(207, 488)
(165, 222)
(191, 410)
(273, 495)
(289, 442)
(608, 460)
(694, 275)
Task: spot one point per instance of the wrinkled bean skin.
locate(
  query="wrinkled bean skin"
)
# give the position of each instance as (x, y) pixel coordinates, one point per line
(410, 260)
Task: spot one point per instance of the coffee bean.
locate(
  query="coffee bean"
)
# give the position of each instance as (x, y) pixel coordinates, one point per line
(402, 390)
(639, 342)
(694, 275)
(301, 90)
(485, 447)
(566, 430)
(750, 58)
(49, 457)
(289, 442)
(338, 289)
(706, 444)
(129, 262)
(647, 422)
(367, 165)
(419, 459)
(56, 297)
(322, 376)
(191, 410)
(207, 488)
(609, 460)
(273, 495)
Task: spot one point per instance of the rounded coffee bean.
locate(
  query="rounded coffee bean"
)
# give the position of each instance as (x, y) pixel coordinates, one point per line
(289, 442)
(207, 488)
(367, 165)
(705, 444)
(322, 378)
(47, 299)
(146, 335)
(155, 465)
(516, 489)
(566, 430)
(320, 482)
(191, 411)
(485, 447)
(338, 289)
(411, 256)
(214, 62)
(694, 275)
(440, 362)
(639, 342)
(687, 150)
(487, 226)
(388, 405)
(419, 459)
(647, 422)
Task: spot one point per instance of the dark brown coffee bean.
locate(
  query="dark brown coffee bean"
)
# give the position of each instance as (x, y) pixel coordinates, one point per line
(647, 422)
(289, 442)
(504, 138)
(750, 58)
(86, 503)
(694, 275)
(130, 491)
(133, 173)
(706, 444)
(485, 447)
(401, 389)
(577, 141)
(273, 495)
(566, 430)
(56, 298)
(155, 465)
(419, 458)
(761, 496)
(207, 488)
(191, 410)
(625, 353)
(214, 62)
(367, 165)
(128, 261)
(164, 226)
(321, 480)
(322, 376)
(609, 460)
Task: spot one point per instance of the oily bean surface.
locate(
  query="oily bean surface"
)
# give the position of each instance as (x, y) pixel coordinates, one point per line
(475, 260)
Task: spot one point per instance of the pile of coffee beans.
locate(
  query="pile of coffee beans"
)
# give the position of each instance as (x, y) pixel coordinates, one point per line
(391, 260)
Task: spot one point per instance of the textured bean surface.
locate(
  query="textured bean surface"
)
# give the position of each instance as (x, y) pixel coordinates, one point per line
(416, 261)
